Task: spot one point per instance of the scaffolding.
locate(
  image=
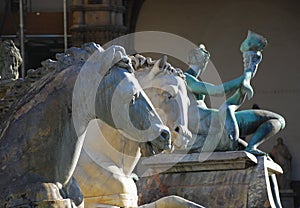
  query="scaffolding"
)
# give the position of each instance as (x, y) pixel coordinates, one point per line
(20, 6)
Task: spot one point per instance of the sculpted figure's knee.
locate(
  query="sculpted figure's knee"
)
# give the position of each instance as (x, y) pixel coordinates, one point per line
(264, 131)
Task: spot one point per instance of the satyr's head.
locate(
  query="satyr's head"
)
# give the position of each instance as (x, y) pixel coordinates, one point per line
(198, 59)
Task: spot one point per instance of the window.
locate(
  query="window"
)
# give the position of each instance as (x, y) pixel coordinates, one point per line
(14, 5)
(95, 1)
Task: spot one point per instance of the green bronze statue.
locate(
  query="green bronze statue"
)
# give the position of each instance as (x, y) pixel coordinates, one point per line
(261, 124)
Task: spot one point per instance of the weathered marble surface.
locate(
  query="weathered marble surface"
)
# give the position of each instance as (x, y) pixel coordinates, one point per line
(41, 137)
(45, 195)
(221, 179)
(10, 60)
(114, 185)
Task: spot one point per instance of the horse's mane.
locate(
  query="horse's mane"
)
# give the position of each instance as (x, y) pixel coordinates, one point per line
(140, 62)
(15, 93)
(36, 79)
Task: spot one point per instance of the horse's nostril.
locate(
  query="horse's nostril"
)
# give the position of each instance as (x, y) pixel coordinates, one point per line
(177, 129)
(165, 134)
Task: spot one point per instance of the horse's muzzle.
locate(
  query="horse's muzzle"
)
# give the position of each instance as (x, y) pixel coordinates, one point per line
(181, 136)
(162, 142)
(158, 145)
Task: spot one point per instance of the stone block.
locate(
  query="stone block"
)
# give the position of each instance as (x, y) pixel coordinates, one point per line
(219, 179)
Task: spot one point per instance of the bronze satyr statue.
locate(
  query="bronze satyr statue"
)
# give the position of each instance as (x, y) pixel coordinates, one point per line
(261, 124)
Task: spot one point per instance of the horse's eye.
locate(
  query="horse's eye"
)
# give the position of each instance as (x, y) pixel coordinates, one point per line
(167, 95)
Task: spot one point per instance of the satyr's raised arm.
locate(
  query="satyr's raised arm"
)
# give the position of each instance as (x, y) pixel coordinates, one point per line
(251, 48)
(198, 59)
(205, 88)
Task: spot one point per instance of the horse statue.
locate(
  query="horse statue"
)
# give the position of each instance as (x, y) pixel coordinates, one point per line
(105, 168)
(43, 131)
(167, 90)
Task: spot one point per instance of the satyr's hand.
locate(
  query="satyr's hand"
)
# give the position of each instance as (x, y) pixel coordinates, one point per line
(251, 61)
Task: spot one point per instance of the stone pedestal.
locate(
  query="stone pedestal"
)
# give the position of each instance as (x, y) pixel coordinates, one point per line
(287, 198)
(219, 179)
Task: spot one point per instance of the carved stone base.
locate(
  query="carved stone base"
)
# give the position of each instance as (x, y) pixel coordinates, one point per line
(46, 195)
(118, 200)
(64, 203)
(219, 179)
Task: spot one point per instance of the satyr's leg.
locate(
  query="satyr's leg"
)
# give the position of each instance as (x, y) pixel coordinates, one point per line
(262, 124)
(172, 202)
(262, 134)
(228, 118)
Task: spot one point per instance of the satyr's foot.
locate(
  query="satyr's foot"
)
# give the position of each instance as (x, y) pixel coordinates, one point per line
(255, 151)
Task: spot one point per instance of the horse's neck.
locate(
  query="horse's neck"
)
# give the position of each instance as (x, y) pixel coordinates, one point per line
(193, 112)
(111, 148)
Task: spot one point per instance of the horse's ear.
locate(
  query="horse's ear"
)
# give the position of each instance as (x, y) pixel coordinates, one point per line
(163, 61)
(159, 65)
(110, 57)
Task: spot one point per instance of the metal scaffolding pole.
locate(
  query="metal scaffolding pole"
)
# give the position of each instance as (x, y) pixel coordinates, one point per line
(65, 25)
(22, 37)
